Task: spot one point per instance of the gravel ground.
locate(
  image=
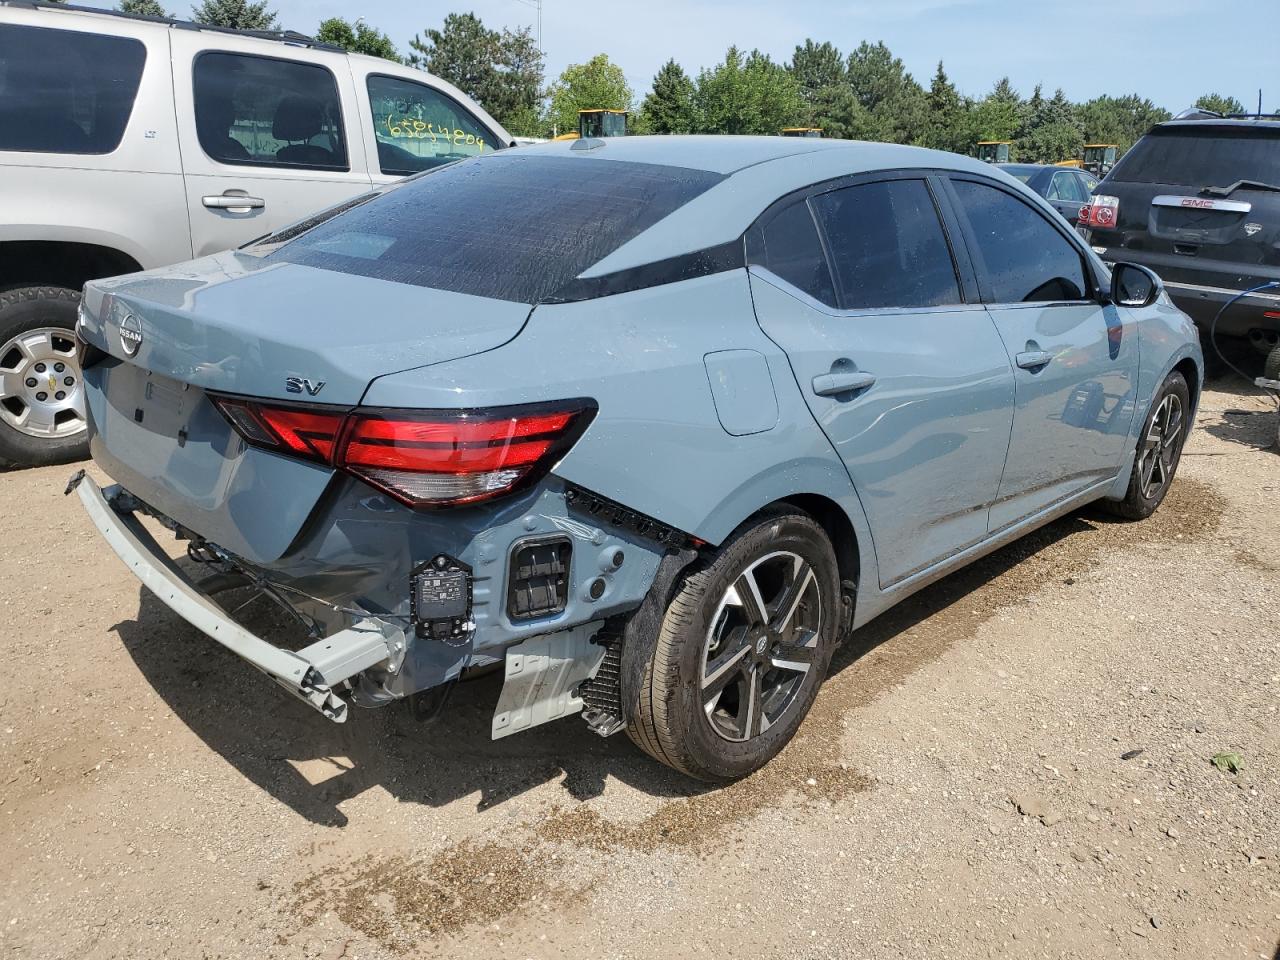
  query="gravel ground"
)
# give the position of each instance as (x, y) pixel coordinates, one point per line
(1014, 763)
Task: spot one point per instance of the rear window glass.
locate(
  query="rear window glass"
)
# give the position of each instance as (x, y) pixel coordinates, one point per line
(62, 91)
(506, 226)
(788, 246)
(1207, 157)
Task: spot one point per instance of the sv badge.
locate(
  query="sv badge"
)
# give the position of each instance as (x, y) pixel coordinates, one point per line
(301, 384)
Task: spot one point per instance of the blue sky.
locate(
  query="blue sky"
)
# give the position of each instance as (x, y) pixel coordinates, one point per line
(1169, 50)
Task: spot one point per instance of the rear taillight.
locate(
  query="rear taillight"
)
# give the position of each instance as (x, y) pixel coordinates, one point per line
(1101, 212)
(423, 459)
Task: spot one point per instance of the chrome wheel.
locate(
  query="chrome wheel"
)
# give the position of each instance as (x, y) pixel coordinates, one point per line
(762, 642)
(40, 390)
(1158, 455)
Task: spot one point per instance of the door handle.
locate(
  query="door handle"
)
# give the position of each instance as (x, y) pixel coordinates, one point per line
(1034, 359)
(831, 384)
(234, 202)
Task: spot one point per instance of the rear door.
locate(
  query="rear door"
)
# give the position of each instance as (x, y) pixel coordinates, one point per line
(904, 373)
(1066, 194)
(1074, 359)
(269, 132)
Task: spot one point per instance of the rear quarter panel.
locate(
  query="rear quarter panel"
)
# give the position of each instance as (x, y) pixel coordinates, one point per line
(657, 444)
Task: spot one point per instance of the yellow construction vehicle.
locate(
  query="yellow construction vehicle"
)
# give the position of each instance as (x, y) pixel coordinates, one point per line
(1099, 158)
(801, 132)
(994, 151)
(598, 123)
(1076, 164)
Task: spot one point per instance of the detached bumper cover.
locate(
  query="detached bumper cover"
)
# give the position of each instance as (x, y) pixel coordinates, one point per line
(309, 674)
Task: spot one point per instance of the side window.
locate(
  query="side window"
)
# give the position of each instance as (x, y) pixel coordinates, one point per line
(418, 128)
(788, 246)
(1026, 258)
(1089, 184)
(887, 246)
(1068, 186)
(62, 91)
(268, 112)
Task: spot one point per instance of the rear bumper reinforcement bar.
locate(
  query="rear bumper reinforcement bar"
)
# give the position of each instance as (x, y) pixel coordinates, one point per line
(309, 674)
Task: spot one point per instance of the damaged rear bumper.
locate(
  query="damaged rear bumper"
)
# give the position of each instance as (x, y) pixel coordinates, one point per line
(312, 674)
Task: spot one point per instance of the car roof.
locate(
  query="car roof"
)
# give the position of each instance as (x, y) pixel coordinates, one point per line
(756, 170)
(1226, 123)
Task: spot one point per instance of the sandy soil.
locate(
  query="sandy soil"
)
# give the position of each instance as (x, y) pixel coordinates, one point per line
(1014, 763)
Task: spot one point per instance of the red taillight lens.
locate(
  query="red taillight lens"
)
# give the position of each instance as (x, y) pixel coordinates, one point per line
(1102, 212)
(422, 459)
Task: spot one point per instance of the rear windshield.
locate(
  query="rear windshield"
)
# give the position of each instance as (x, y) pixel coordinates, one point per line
(506, 226)
(1205, 157)
(62, 91)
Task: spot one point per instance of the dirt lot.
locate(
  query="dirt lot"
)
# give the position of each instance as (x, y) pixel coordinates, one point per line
(160, 799)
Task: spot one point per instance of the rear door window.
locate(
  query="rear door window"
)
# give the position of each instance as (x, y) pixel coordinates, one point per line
(510, 226)
(418, 128)
(62, 91)
(887, 246)
(787, 245)
(1211, 156)
(1026, 259)
(264, 111)
(1066, 187)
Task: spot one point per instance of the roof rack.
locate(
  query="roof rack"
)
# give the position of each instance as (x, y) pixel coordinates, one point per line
(280, 36)
(1200, 113)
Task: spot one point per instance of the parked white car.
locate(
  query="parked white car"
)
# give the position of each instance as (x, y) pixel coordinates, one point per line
(128, 143)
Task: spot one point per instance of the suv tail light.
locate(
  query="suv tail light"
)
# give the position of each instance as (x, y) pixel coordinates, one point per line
(421, 458)
(1102, 212)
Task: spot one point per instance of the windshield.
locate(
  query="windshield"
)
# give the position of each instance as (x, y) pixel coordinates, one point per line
(509, 226)
(1210, 156)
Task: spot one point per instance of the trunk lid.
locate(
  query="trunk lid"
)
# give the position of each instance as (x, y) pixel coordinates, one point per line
(277, 331)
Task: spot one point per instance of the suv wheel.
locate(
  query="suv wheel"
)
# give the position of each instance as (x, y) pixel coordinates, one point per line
(41, 396)
(1159, 451)
(744, 646)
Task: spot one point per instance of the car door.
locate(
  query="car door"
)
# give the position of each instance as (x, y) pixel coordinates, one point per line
(269, 134)
(1065, 195)
(902, 371)
(1075, 359)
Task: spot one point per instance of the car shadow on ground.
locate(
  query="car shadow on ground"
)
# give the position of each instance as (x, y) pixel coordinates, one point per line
(313, 766)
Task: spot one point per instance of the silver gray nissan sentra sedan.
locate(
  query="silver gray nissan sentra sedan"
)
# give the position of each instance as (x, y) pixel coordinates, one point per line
(654, 423)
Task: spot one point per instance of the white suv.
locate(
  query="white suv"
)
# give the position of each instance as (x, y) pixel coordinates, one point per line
(129, 142)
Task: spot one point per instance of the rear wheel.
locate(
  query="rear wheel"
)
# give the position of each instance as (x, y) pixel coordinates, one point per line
(743, 648)
(1271, 369)
(1159, 451)
(41, 397)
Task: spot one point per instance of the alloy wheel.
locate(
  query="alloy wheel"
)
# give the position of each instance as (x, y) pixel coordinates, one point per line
(1158, 455)
(40, 390)
(762, 642)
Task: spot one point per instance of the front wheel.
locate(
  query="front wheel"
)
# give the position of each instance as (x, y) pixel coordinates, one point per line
(41, 397)
(1159, 451)
(744, 646)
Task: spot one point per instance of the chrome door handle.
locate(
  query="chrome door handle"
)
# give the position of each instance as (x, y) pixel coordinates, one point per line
(1034, 359)
(831, 384)
(234, 202)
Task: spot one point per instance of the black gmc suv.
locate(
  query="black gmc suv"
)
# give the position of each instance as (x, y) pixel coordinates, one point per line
(1197, 200)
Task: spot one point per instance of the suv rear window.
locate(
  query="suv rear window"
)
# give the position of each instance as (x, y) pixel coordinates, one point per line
(1211, 156)
(62, 91)
(507, 226)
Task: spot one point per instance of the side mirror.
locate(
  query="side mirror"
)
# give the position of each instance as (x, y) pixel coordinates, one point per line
(1134, 286)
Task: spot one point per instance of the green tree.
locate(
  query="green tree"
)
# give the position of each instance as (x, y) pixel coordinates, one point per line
(1220, 104)
(237, 14)
(998, 116)
(668, 107)
(361, 38)
(947, 125)
(146, 8)
(746, 95)
(1119, 120)
(598, 84)
(501, 71)
(837, 111)
(896, 103)
(1053, 130)
(817, 67)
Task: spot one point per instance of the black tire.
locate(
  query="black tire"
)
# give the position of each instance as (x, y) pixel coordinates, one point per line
(1271, 369)
(670, 722)
(32, 308)
(1143, 496)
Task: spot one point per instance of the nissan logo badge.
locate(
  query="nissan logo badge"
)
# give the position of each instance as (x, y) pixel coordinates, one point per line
(130, 335)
